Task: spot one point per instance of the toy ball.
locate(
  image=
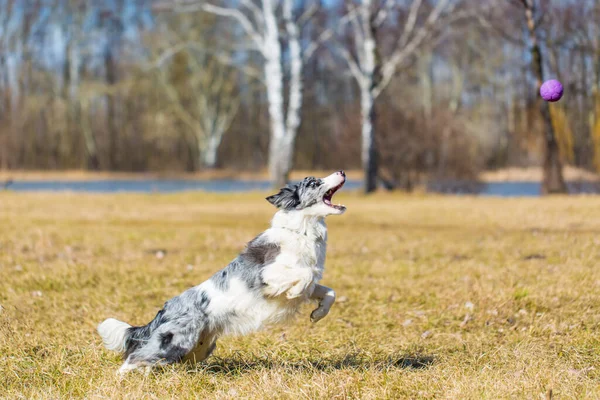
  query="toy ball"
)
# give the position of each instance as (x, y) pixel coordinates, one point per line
(552, 90)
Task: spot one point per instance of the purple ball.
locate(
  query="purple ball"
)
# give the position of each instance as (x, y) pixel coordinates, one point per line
(552, 90)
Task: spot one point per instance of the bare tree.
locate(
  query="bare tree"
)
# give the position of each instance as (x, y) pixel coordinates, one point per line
(78, 104)
(552, 181)
(76, 90)
(115, 29)
(373, 70)
(200, 86)
(204, 100)
(260, 24)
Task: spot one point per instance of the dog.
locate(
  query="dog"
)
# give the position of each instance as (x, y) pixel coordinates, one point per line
(277, 272)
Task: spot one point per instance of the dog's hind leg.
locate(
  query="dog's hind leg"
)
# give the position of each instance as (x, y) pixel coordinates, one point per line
(206, 345)
(167, 345)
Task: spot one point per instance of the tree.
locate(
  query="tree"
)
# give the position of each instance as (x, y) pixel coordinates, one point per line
(202, 96)
(260, 24)
(115, 28)
(552, 181)
(78, 104)
(373, 70)
(201, 90)
(76, 90)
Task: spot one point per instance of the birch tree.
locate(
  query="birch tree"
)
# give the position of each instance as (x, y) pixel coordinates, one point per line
(260, 23)
(203, 97)
(373, 70)
(201, 90)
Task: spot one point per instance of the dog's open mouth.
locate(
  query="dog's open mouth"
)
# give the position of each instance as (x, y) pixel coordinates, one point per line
(329, 195)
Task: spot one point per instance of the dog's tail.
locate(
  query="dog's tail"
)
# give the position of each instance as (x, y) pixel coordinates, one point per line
(115, 334)
(121, 337)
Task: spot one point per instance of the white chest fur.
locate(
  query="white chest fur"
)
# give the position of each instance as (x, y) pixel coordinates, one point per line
(301, 261)
(303, 241)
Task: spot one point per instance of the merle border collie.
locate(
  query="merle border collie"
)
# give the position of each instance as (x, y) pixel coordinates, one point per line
(277, 272)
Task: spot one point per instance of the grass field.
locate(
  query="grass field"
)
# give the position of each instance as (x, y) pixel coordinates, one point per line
(439, 297)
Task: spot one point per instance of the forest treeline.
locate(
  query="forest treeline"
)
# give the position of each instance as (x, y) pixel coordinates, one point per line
(424, 89)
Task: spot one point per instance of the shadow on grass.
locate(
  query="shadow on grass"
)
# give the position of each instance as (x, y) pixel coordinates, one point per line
(240, 365)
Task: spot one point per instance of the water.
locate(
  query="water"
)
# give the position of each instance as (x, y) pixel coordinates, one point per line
(501, 189)
(508, 189)
(149, 186)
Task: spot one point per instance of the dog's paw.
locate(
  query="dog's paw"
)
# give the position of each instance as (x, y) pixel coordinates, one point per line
(126, 368)
(318, 314)
(293, 294)
(301, 289)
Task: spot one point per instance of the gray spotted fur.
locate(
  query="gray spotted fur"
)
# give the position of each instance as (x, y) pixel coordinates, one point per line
(177, 328)
(299, 196)
(248, 265)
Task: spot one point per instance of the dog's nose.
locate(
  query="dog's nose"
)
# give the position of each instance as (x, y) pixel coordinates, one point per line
(342, 173)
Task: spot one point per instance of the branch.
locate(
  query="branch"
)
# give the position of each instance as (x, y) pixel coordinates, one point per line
(314, 45)
(308, 14)
(170, 53)
(460, 16)
(456, 17)
(254, 9)
(352, 64)
(402, 53)
(295, 85)
(241, 18)
(232, 13)
(246, 69)
(410, 22)
(487, 24)
(218, 103)
(356, 26)
(360, 24)
(176, 105)
(219, 56)
(365, 11)
(382, 13)
(326, 35)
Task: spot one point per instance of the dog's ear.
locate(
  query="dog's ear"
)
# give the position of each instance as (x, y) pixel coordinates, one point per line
(286, 199)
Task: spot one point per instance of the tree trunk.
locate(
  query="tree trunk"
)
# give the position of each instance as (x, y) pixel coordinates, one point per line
(295, 89)
(594, 114)
(111, 79)
(89, 141)
(209, 153)
(278, 159)
(552, 181)
(371, 79)
(369, 146)
(274, 83)
(426, 77)
(553, 177)
(93, 164)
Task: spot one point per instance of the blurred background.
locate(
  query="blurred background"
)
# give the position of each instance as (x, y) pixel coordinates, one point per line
(441, 94)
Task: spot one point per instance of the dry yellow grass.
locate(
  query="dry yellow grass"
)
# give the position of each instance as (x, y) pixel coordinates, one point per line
(456, 298)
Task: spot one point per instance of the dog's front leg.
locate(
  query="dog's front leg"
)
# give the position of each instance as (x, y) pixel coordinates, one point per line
(326, 298)
(294, 282)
